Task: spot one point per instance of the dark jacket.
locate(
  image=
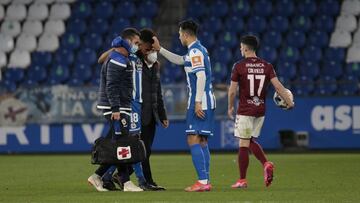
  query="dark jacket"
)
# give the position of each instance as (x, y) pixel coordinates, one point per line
(153, 104)
(115, 91)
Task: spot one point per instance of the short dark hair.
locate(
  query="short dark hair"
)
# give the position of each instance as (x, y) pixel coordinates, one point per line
(189, 26)
(251, 41)
(146, 35)
(129, 33)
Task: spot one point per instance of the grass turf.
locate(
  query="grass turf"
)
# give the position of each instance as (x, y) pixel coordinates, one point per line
(298, 178)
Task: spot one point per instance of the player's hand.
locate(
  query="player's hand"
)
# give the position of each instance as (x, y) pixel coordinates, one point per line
(115, 116)
(198, 110)
(231, 113)
(156, 45)
(291, 106)
(165, 123)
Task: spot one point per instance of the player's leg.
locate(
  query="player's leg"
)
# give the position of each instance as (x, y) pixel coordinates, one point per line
(129, 186)
(107, 179)
(95, 179)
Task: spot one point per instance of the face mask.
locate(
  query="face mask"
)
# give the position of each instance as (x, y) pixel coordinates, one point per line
(152, 57)
(134, 48)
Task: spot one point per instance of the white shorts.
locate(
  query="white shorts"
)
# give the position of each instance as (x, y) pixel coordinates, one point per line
(248, 126)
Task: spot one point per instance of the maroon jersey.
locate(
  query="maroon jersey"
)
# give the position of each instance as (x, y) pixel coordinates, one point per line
(253, 75)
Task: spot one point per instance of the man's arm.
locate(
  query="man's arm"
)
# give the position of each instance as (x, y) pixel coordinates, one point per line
(280, 89)
(231, 98)
(172, 57)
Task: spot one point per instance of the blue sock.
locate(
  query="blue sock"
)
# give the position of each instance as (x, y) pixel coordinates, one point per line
(198, 161)
(109, 173)
(139, 173)
(206, 152)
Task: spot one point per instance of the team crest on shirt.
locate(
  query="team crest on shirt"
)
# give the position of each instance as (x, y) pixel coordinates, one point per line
(255, 100)
(138, 65)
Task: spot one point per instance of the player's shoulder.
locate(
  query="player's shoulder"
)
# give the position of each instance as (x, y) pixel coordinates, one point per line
(195, 51)
(118, 59)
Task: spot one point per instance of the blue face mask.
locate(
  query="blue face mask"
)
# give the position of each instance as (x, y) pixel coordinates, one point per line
(134, 48)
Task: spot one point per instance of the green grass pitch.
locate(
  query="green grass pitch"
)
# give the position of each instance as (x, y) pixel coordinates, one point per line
(315, 177)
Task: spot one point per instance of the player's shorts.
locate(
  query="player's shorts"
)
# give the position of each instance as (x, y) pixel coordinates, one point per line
(248, 126)
(198, 126)
(135, 124)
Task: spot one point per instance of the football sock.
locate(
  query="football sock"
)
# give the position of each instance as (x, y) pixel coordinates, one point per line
(206, 152)
(243, 161)
(257, 150)
(139, 173)
(109, 173)
(198, 161)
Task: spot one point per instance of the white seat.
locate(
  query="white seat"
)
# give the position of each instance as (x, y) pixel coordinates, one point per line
(5, 2)
(26, 42)
(65, 1)
(3, 59)
(48, 42)
(19, 59)
(59, 11)
(353, 54)
(346, 23)
(44, 1)
(56, 27)
(340, 38)
(350, 7)
(2, 12)
(16, 12)
(6, 43)
(38, 12)
(356, 36)
(11, 28)
(25, 2)
(32, 27)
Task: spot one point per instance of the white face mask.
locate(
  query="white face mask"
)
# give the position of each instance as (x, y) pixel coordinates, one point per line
(134, 48)
(152, 57)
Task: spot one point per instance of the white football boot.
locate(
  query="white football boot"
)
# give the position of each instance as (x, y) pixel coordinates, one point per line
(131, 187)
(96, 181)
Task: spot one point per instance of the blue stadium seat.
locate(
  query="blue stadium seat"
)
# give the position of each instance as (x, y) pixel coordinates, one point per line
(289, 54)
(285, 81)
(228, 39)
(222, 54)
(318, 38)
(81, 9)
(64, 56)
(332, 69)
(82, 72)
(309, 69)
(77, 26)
(262, 8)
(306, 8)
(58, 74)
(41, 58)
(241, 8)
(268, 53)
(174, 72)
(235, 24)
(28, 83)
(213, 24)
(125, 9)
(10, 86)
(303, 86)
(104, 9)
(324, 23)
(312, 53)
(86, 56)
(99, 25)
(93, 41)
(147, 9)
(348, 85)
(70, 41)
(329, 7)
(296, 39)
(74, 82)
(326, 86)
(219, 9)
(286, 69)
(219, 71)
(143, 23)
(335, 54)
(197, 9)
(206, 38)
(301, 23)
(272, 39)
(284, 8)
(256, 24)
(279, 23)
(36, 73)
(118, 24)
(14, 74)
(353, 69)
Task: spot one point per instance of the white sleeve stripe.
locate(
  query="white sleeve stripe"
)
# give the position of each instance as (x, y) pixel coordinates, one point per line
(117, 63)
(103, 107)
(129, 109)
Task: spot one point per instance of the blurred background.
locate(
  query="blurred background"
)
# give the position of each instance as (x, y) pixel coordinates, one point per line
(49, 74)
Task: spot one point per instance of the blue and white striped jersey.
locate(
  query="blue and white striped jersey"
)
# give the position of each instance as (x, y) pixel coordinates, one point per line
(197, 59)
(137, 77)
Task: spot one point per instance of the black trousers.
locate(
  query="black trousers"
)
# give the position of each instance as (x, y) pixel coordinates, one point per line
(147, 135)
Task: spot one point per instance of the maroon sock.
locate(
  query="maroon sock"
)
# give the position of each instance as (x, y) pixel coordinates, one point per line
(243, 161)
(257, 150)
